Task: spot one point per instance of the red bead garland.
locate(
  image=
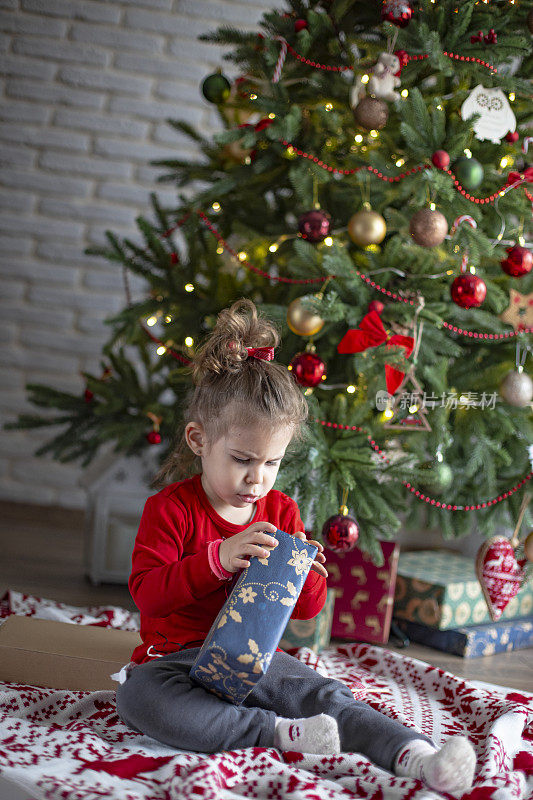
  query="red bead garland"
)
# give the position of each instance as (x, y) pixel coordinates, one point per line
(430, 500)
(421, 57)
(478, 200)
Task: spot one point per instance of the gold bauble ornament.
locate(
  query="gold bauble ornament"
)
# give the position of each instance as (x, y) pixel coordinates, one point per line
(528, 546)
(428, 227)
(302, 321)
(234, 151)
(371, 113)
(366, 227)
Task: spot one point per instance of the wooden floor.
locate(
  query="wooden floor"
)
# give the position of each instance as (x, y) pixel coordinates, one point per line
(41, 553)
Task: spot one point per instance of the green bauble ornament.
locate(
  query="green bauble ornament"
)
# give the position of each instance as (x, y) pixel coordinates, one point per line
(216, 88)
(468, 172)
(438, 476)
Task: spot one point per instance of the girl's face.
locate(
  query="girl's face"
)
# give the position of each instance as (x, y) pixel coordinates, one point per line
(241, 467)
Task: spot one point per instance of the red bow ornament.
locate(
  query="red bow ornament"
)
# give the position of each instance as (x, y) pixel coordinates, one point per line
(523, 177)
(371, 333)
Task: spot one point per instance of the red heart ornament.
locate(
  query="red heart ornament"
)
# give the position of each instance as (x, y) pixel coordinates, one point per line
(499, 574)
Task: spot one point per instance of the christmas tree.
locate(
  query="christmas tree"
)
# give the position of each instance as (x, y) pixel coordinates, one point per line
(368, 188)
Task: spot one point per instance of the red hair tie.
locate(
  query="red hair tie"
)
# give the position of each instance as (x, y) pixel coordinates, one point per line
(265, 353)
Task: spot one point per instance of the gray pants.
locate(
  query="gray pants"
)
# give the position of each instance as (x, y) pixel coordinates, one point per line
(159, 699)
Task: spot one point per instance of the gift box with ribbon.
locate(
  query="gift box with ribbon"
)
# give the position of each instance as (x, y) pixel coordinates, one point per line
(248, 628)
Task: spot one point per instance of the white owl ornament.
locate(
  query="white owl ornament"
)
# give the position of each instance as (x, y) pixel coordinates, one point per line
(497, 116)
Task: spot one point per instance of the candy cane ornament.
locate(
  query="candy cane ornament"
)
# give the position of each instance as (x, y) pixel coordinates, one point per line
(463, 218)
(281, 59)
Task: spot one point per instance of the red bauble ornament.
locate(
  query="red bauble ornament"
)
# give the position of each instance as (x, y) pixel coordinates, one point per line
(154, 437)
(340, 533)
(399, 12)
(468, 291)
(376, 305)
(308, 369)
(519, 261)
(88, 395)
(300, 25)
(512, 136)
(314, 225)
(441, 159)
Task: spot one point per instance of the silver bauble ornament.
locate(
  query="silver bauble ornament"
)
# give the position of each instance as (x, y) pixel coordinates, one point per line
(517, 389)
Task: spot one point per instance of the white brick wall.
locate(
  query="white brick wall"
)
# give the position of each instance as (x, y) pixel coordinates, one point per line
(86, 88)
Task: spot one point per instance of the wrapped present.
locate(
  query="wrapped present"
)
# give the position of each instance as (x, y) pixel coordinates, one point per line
(247, 630)
(312, 633)
(475, 641)
(364, 593)
(440, 588)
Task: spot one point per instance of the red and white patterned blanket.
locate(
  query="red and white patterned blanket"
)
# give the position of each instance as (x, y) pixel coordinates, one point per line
(65, 745)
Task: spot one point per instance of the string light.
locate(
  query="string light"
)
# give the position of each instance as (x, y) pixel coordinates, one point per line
(253, 97)
(329, 107)
(242, 256)
(350, 389)
(151, 321)
(405, 93)
(271, 116)
(216, 206)
(358, 138)
(504, 161)
(328, 241)
(220, 250)
(189, 287)
(161, 350)
(432, 206)
(512, 97)
(273, 247)
(365, 78)
(374, 134)
(400, 162)
(467, 152)
(168, 318)
(189, 341)
(413, 409)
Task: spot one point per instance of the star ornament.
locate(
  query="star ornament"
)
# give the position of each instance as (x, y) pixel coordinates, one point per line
(519, 313)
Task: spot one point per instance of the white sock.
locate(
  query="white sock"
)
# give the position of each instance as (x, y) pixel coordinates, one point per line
(450, 769)
(318, 734)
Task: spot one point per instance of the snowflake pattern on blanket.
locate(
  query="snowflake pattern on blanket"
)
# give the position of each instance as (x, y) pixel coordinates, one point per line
(64, 745)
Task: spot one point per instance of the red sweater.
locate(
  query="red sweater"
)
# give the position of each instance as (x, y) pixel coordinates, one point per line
(172, 583)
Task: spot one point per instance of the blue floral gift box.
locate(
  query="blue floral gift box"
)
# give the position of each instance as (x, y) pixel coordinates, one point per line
(249, 626)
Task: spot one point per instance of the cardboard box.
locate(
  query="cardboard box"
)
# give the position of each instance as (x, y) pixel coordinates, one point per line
(62, 655)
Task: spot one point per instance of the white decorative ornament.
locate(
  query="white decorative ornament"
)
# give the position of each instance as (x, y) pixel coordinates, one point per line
(381, 81)
(497, 116)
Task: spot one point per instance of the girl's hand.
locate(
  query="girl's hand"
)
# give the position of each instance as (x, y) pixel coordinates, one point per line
(320, 557)
(254, 541)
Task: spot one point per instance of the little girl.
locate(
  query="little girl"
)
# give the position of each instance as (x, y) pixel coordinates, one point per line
(194, 537)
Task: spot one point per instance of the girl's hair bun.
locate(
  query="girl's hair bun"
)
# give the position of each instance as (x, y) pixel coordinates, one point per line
(237, 328)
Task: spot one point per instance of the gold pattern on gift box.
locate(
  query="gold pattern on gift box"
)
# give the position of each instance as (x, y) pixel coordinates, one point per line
(334, 573)
(385, 601)
(373, 623)
(359, 573)
(358, 598)
(384, 575)
(219, 671)
(339, 591)
(346, 619)
(260, 660)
